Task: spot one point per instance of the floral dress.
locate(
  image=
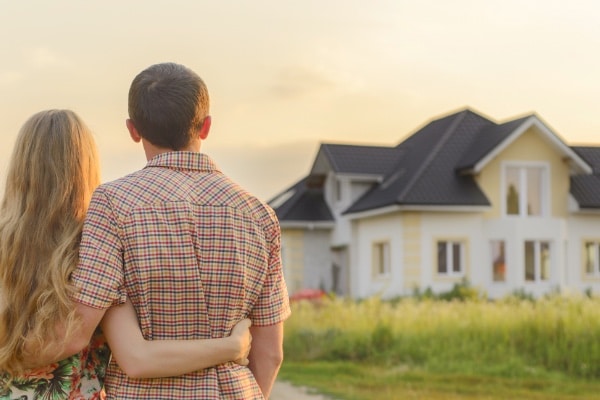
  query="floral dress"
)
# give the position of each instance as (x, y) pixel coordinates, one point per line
(78, 377)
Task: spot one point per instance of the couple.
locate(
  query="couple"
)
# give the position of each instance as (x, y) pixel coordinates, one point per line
(174, 262)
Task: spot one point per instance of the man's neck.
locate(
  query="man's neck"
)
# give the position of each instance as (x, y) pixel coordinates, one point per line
(153, 151)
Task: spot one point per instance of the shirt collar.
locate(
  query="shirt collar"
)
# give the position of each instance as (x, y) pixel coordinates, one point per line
(184, 160)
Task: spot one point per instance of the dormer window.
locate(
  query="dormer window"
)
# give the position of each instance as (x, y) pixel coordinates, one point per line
(526, 190)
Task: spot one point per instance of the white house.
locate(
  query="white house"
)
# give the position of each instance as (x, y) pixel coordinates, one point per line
(506, 206)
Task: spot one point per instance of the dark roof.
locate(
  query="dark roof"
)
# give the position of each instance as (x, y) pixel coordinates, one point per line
(425, 174)
(369, 160)
(591, 155)
(305, 202)
(586, 188)
(489, 137)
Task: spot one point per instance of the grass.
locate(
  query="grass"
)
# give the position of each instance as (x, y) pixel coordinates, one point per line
(355, 381)
(433, 349)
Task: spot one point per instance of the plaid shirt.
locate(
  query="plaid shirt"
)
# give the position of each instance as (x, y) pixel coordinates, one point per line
(195, 254)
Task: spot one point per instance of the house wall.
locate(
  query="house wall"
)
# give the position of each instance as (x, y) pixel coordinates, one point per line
(462, 227)
(366, 232)
(307, 259)
(411, 255)
(317, 260)
(350, 191)
(514, 232)
(292, 255)
(582, 228)
(342, 231)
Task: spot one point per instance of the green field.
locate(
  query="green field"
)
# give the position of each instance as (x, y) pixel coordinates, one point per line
(412, 348)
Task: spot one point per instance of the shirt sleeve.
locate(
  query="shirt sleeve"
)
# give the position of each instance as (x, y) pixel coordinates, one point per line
(99, 275)
(273, 305)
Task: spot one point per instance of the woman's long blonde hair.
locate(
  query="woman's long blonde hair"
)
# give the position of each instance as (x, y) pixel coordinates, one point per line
(52, 174)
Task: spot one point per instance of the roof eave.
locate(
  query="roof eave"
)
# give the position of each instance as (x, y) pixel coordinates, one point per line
(310, 225)
(416, 207)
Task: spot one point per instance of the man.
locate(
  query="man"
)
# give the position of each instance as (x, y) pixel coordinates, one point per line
(193, 251)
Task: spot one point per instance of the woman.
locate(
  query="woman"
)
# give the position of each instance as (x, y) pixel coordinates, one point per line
(52, 174)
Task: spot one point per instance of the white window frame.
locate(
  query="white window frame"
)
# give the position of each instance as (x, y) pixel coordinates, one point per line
(545, 188)
(450, 272)
(595, 274)
(381, 259)
(537, 266)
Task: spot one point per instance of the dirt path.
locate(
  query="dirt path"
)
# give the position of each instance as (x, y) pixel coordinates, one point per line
(286, 391)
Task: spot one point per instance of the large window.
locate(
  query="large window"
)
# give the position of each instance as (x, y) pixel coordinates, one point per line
(450, 258)
(381, 259)
(498, 261)
(537, 261)
(525, 190)
(592, 259)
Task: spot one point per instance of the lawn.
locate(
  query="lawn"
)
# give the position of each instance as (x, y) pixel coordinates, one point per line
(353, 381)
(465, 347)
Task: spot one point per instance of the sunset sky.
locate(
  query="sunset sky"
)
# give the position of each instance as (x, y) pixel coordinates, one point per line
(285, 76)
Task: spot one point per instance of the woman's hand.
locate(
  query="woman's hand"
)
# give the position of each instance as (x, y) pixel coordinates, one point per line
(241, 337)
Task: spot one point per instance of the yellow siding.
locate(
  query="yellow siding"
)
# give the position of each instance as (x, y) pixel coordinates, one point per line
(411, 223)
(293, 258)
(529, 147)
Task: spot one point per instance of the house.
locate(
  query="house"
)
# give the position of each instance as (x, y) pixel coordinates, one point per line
(507, 206)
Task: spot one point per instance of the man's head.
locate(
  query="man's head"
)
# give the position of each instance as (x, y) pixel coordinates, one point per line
(168, 105)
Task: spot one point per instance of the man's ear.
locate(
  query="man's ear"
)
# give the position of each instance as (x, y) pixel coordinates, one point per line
(205, 127)
(133, 132)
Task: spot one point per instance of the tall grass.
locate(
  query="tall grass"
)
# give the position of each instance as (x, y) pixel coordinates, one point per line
(512, 337)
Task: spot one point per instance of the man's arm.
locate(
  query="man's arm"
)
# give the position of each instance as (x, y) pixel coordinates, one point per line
(39, 355)
(266, 355)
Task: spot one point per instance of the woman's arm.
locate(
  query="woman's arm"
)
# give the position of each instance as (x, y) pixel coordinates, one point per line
(140, 358)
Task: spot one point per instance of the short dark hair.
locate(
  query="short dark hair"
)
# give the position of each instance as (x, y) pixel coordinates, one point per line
(168, 103)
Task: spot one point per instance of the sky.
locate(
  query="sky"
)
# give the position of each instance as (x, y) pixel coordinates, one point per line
(286, 76)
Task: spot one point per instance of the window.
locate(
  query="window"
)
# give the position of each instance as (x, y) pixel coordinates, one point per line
(537, 261)
(450, 258)
(338, 190)
(381, 259)
(525, 190)
(592, 259)
(498, 261)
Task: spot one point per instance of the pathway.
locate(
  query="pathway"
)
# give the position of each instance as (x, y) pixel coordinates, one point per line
(286, 391)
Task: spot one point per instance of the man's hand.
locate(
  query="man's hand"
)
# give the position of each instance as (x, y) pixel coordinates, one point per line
(242, 338)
